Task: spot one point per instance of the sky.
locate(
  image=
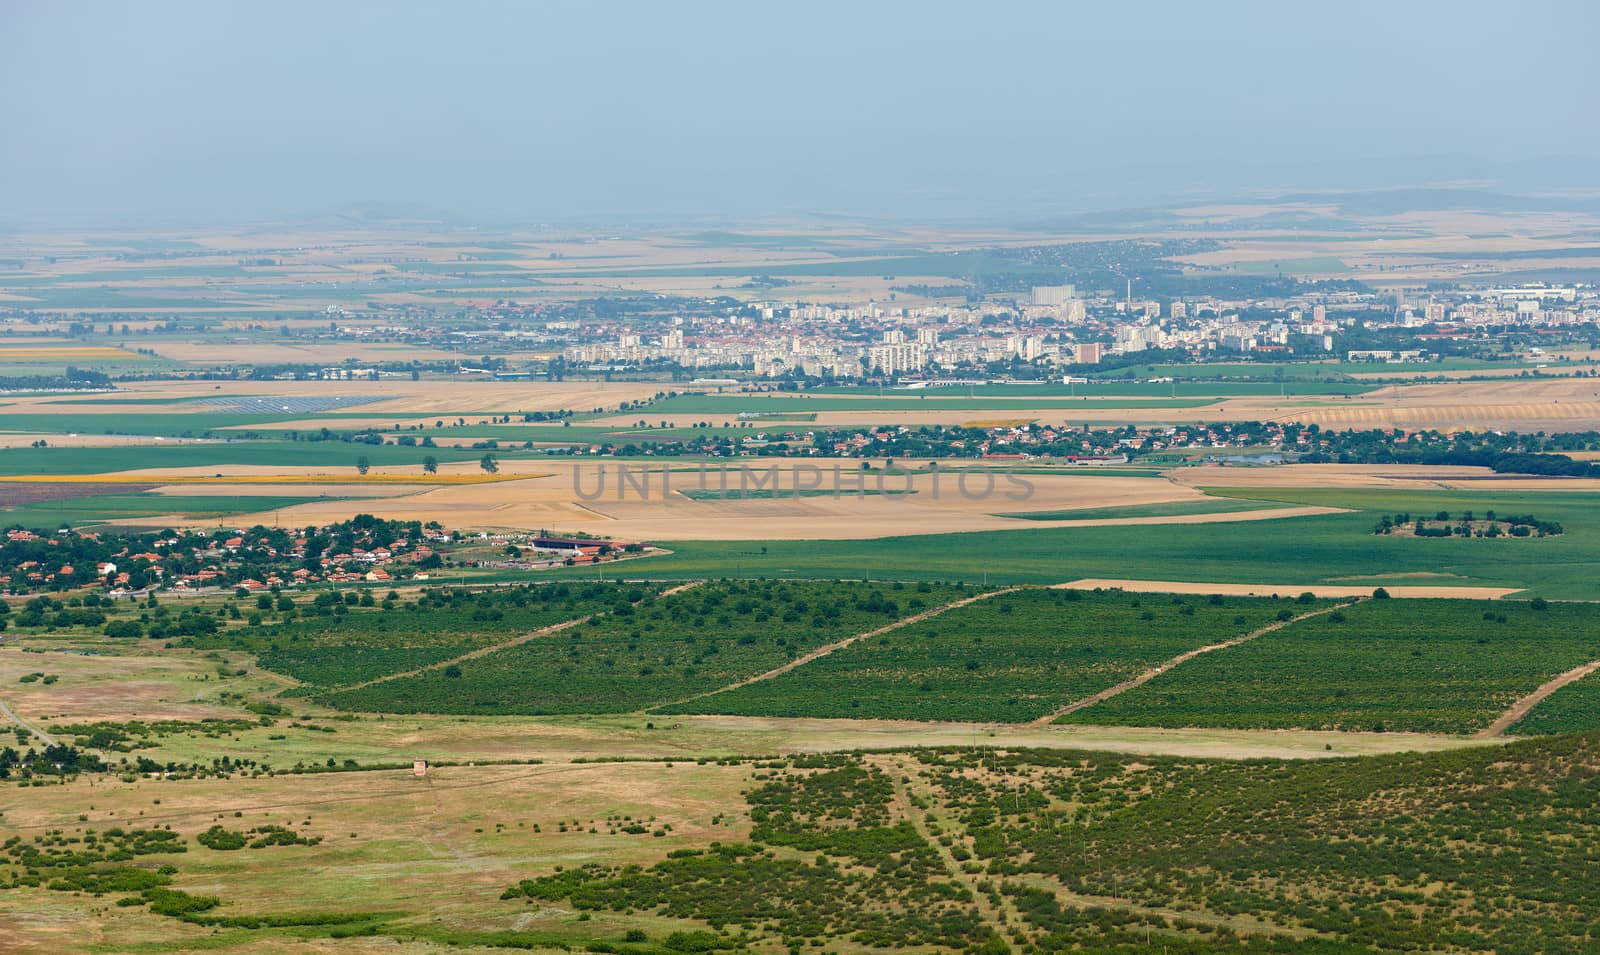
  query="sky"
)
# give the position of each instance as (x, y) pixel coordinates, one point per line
(165, 112)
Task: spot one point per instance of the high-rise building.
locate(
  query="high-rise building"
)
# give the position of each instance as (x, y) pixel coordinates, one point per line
(1053, 294)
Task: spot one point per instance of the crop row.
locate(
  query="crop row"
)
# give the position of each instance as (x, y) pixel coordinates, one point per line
(1011, 658)
(1438, 666)
(691, 642)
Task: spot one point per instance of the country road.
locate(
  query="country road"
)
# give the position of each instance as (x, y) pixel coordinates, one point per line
(6, 712)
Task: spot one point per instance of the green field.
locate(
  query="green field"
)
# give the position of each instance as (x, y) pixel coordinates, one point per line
(110, 508)
(1573, 708)
(1219, 505)
(681, 645)
(327, 649)
(1325, 548)
(175, 424)
(1010, 658)
(1429, 666)
(285, 453)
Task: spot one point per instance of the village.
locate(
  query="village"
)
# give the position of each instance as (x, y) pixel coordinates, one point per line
(261, 559)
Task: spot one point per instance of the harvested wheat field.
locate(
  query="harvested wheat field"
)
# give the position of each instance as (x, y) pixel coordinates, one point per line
(464, 395)
(678, 507)
(1377, 476)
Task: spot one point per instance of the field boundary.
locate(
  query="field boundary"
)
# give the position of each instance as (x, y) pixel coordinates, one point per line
(6, 711)
(1522, 707)
(1398, 591)
(503, 645)
(1180, 659)
(826, 649)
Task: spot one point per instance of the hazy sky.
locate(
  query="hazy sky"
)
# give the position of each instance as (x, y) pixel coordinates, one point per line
(163, 112)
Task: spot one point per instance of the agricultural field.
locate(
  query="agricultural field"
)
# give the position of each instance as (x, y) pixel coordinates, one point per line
(280, 454)
(1011, 658)
(207, 793)
(1431, 666)
(700, 639)
(1214, 505)
(111, 508)
(356, 638)
(1286, 552)
(1572, 708)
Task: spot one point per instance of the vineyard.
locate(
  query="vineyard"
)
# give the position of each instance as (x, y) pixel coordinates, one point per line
(688, 643)
(339, 644)
(1012, 658)
(1573, 708)
(1434, 666)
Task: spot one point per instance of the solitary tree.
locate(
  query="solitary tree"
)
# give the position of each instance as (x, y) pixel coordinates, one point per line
(489, 464)
(430, 465)
(363, 465)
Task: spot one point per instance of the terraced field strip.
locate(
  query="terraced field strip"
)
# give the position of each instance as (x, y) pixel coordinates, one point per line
(507, 644)
(1522, 707)
(1180, 659)
(823, 651)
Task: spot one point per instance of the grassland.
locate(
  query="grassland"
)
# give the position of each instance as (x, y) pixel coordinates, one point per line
(930, 850)
(688, 643)
(1012, 658)
(1440, 666)
(1381, 854)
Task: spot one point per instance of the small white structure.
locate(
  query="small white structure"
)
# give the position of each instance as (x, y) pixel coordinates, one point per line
(419, 767)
